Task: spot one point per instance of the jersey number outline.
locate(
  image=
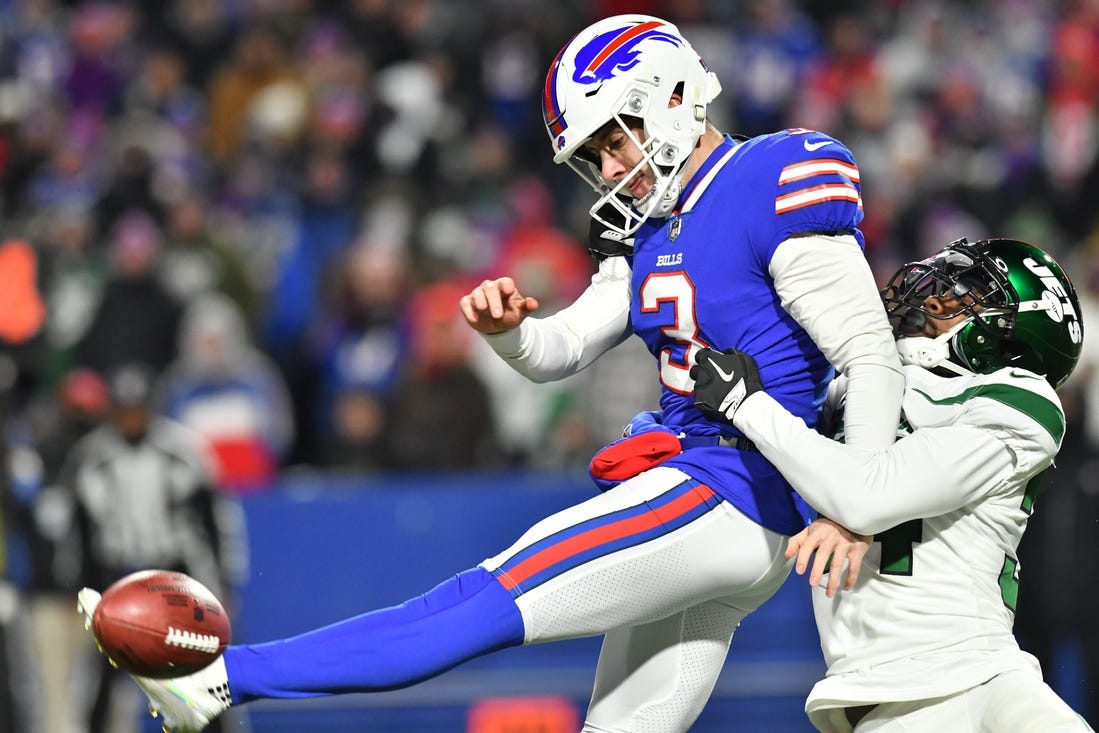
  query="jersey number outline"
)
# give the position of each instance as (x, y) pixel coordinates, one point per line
(896, 547)
(675, 288)
(1009, 573)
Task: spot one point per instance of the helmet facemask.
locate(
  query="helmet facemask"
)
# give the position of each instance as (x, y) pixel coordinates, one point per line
(971, 283)
(661, 198)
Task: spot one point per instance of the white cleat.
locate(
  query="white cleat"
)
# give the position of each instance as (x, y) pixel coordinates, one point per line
(86, 602)
(187, 704)
(184, 704)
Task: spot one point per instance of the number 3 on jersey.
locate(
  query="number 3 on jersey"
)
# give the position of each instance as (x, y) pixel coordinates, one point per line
(675, 288)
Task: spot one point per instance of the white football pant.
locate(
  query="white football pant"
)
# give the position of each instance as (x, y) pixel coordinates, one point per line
(668, 602)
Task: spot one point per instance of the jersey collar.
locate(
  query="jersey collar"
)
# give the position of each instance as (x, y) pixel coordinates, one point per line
(701, 179)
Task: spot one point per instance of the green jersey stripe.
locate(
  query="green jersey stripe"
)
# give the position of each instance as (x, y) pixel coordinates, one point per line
(1037, 408)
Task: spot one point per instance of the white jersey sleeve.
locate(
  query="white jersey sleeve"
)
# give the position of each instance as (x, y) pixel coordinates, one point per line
(558, 346)
(825, 283)
(974, 435)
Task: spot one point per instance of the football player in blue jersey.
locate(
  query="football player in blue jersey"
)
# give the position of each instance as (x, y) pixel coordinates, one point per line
(705, 241)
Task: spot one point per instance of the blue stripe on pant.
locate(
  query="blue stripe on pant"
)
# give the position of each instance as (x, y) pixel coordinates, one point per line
(572, 547)
(464, 617)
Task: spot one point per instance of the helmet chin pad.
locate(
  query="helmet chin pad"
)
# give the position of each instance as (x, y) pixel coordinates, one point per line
(662, 198)
(934, 353)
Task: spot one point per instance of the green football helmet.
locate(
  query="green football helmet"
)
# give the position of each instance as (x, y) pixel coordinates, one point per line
(1023, 310)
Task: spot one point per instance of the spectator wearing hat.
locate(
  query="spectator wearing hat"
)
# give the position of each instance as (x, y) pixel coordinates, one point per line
(137, 318)
(231, 393)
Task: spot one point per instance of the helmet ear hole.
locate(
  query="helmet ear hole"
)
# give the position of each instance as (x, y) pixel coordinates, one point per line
(1011, 351)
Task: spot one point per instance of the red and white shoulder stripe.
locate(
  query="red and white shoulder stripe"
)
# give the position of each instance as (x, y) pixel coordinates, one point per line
(810, 182)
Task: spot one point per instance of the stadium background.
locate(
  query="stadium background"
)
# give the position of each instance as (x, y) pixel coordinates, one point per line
(321, 180)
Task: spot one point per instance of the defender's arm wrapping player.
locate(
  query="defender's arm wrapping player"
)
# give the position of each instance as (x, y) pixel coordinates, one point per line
(750, 244)
(924, 641)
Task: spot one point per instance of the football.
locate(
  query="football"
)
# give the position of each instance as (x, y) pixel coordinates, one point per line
(159, 623)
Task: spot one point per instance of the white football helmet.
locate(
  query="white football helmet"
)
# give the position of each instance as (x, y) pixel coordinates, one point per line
(629, 66)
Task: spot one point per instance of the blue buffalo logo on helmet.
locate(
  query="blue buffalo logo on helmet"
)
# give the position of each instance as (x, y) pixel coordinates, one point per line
(610, 53)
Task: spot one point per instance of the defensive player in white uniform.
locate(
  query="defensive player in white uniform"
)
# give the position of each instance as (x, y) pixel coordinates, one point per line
(735, 243)
(924, 642)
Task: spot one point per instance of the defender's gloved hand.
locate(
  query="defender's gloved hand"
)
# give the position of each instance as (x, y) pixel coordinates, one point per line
(645, 443)
(722, 382)
(604, 242)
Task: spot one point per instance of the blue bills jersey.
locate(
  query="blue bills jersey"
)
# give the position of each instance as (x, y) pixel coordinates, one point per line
(700, 279)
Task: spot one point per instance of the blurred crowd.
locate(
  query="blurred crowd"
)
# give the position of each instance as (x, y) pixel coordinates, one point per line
(271, 207)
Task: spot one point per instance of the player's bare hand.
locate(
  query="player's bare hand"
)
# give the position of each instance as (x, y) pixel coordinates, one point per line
(829, 545)
(496, 305)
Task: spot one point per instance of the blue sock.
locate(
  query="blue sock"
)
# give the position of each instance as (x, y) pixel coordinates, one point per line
(464, 617)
